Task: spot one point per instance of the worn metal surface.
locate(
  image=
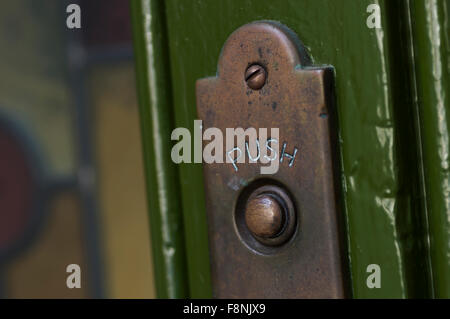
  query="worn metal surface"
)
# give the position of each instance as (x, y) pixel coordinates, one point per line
(297, 99)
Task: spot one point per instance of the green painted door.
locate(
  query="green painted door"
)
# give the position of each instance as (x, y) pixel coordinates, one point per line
(393, 101)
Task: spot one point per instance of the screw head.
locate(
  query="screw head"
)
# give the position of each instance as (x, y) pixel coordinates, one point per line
(264, 216)
(255, 76)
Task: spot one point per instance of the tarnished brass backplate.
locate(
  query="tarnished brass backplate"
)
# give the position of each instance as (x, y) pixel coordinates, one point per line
(298, 99)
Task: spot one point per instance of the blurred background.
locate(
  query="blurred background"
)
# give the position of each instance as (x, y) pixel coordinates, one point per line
(71, 174)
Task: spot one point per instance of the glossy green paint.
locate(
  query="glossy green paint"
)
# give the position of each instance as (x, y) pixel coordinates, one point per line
(378, 200)
(431, 34)
(155, 103)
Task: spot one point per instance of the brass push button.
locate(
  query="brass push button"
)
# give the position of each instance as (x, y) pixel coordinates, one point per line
(264, 216)
(268, 217)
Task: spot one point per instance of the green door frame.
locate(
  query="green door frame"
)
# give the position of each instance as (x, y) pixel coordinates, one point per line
(392, 91)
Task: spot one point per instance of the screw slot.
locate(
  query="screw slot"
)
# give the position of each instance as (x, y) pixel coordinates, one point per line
(255, 76)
